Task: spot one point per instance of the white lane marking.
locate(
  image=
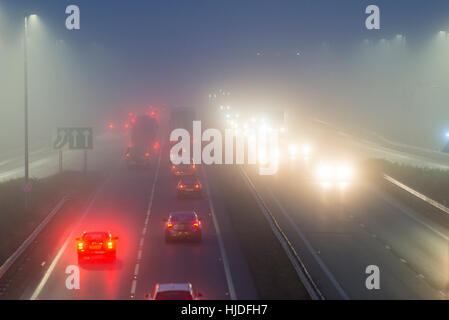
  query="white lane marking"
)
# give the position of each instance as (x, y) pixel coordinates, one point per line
(224, 256)
(320, 262)
(144, 230)
(12, 259)
(409, 212)
(133, 288)
(50, 269)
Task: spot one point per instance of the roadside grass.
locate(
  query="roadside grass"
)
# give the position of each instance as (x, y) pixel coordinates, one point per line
(17, 223)
(433, 183)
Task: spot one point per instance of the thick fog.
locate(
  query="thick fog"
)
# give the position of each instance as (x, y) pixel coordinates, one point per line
(389, 87)
(395, 87)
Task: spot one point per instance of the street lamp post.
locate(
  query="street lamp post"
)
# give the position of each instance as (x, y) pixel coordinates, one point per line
(25, 56)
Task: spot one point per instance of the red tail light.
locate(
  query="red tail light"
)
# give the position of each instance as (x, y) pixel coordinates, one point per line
(169, 225)
(156, 145)
(196, 225)
(110, 245)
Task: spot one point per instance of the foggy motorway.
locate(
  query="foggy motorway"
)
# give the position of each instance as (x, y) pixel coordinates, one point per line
(237, 153)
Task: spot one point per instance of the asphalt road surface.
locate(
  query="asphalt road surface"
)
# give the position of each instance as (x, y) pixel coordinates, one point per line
(337, 234)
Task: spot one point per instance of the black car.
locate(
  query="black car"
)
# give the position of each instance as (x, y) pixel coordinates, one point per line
(189, 186)
(137, 157)
(183, 225)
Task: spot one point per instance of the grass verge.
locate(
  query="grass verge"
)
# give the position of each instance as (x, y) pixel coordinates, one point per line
(17, 223)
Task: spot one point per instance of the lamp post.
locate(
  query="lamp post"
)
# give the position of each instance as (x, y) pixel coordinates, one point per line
(25, 56)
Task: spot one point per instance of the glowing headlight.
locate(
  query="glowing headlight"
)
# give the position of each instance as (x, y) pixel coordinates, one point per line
(344, 172)
(325, 172)
(306, 149)
(292, 150)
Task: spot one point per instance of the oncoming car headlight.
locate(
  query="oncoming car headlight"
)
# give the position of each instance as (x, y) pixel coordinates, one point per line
(334, 175)
(325, 172)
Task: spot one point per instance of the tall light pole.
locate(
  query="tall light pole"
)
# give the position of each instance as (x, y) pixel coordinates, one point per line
(25, 56)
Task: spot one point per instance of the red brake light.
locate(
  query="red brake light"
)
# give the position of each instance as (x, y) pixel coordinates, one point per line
(196, 224)
(80, 245)
(110, 245)
(169, 225)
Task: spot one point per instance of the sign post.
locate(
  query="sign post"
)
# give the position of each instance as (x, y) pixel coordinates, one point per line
(60, 161)
(73, 138)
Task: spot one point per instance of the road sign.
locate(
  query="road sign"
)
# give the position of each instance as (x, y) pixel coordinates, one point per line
(27, 187)
(80, 138)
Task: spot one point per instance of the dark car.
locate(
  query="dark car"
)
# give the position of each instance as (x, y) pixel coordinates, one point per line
(137, 157)
(183, 225)
(180, 170)
(189, 186)
(96, 243)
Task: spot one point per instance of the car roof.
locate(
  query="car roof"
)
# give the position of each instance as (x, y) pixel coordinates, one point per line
(162, 287)
(182, 213)
(189, 178)
(96, 232)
